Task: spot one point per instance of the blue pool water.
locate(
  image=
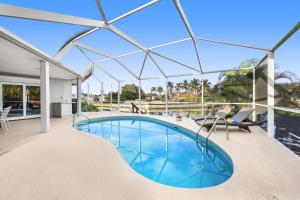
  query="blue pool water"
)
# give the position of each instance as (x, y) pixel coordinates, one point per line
(163, 152)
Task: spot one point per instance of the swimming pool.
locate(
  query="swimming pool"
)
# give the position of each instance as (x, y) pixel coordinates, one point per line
(163, 152)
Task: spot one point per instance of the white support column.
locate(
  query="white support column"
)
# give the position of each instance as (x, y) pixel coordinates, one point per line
(271, 92)
(88, 93)
(78, 95)
(167, 110)
(45, 96)
(253, 95)
(119, 93)
(1, 103)
(24, 100)
(102, 96)
(110, 96)
(140, 96)
(202, 97)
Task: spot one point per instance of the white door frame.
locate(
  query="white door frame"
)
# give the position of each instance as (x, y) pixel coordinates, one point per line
(24, 98)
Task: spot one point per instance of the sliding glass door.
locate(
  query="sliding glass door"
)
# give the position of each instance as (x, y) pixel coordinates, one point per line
(24, 99)
(33, 100)
(13, 96)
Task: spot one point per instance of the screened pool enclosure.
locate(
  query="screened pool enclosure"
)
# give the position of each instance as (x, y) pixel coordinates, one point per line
(273, 92)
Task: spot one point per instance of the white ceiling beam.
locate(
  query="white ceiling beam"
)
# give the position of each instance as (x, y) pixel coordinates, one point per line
(108, 56)
(175, 61)
(152, 78)
(232, 44)
(100, 68)
(126, 37)
(180, 75)
(100, 8)
(133, 11)
(69, 43)
(120, 56)
(189, 29)
(106, 72)
(282, 41)
(157, 66)
(171, 43)
(135, 43)
(287, 36)
(28, 13)
(151, 48)
(260, 61)
(93, 65)
(228, 70)
(143, 65)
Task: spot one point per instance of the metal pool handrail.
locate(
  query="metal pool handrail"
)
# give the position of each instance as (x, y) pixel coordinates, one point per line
(213, 127)
(209, 116)
(78, 114)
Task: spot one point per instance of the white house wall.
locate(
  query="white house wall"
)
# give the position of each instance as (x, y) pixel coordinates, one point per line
(60, 91)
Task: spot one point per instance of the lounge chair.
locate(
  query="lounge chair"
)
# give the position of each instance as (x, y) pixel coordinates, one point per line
(135, 109)
(240, 120)
(213, 114)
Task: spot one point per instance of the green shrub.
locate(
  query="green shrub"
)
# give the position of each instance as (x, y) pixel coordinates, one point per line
(88, 107)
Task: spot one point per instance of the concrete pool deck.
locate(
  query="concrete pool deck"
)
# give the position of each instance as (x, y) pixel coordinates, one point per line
(68, 164)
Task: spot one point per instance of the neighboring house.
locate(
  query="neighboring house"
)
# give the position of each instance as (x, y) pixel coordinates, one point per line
(182, 96)
(33, 83)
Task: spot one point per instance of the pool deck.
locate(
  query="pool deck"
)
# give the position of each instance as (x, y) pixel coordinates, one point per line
(68, 164)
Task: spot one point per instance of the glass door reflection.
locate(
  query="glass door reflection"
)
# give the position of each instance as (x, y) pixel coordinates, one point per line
(33, 106)
(13, 96)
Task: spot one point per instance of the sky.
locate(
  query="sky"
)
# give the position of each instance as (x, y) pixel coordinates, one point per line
(255, 22)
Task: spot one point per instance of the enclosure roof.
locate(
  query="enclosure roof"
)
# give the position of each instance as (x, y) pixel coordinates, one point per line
(150, 53)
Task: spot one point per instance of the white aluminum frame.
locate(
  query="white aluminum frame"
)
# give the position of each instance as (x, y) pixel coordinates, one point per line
(95, 25)
(24, 85)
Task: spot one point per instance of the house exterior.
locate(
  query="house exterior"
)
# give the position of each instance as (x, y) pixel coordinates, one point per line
(33, 83)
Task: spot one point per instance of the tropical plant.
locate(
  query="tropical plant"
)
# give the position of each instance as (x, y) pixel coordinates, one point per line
(88, 107)
(170, 86)
(185, 85)
(131, 92)
(159, 90)
(178, 87)
(206, 86)
(236, 86)
(114, 96)
(153, 90)
(194, 85)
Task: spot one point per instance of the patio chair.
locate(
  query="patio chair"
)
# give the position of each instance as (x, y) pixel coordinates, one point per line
(239, 120)
(213, 114)
(135, 109)
(4, 121)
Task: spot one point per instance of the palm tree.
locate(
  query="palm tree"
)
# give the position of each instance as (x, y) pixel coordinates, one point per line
(178, 87)
(194, 85)
(153, 90)
(170, 86)
(185, 85)
(159, 90)
(206, 86)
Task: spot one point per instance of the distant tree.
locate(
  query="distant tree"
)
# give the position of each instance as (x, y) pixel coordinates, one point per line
(88, 107)
(185, 85)
(114, 96)
(153, 90)
(131, 92)
(206, 86)
(195, 85)
(236, 86)
(178, 87)
(170, 86)
(160, 90)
